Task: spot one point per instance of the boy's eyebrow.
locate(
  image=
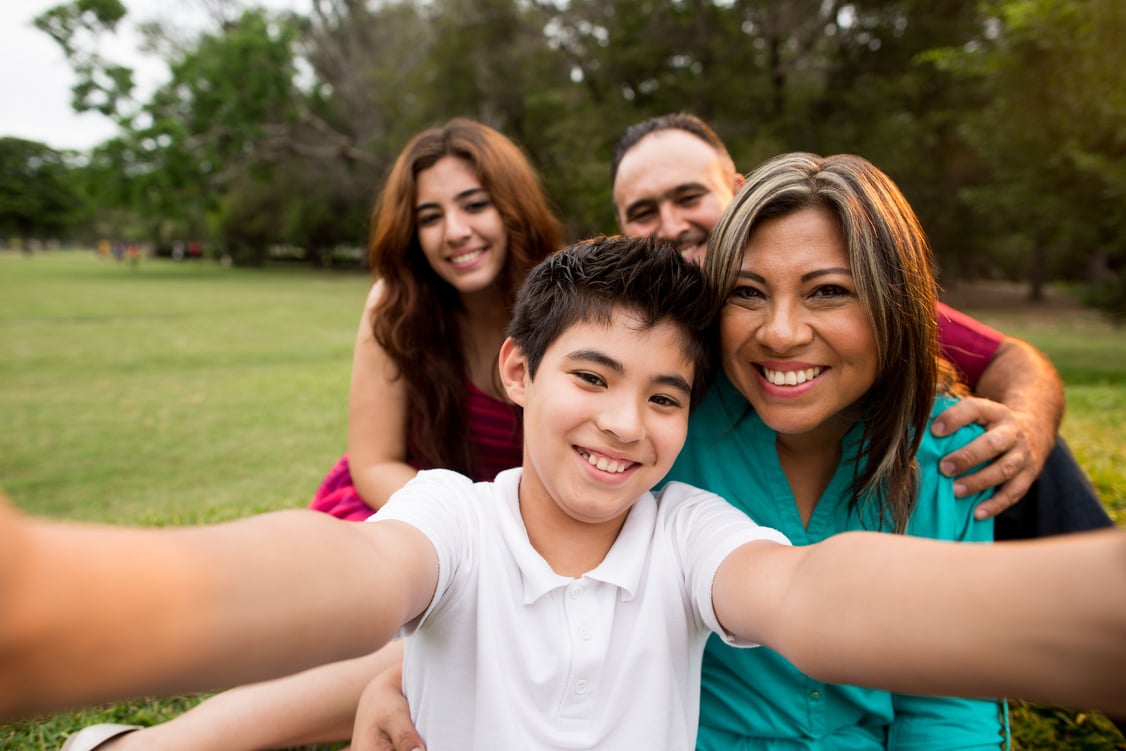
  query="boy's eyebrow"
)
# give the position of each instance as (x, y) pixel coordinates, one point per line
(804, 277)
(459, 197)
(593, 355)
(671, 380)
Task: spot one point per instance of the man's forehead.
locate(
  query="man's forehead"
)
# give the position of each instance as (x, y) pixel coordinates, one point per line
(664, 159)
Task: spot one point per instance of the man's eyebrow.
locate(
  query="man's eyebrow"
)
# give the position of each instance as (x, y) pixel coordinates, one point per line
(671, 380)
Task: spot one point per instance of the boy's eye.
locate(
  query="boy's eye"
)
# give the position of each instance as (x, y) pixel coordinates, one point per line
(665, 401)
(590, 378)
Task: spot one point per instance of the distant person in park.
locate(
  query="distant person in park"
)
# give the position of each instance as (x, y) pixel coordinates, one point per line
(460, 221)
(673, 177)
(609, 347)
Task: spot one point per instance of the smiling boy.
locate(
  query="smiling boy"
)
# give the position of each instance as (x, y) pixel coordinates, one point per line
(564, 605)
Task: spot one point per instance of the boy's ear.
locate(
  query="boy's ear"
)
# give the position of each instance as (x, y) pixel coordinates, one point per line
(513, 371)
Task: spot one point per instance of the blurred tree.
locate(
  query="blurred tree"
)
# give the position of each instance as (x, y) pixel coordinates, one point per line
(1049, 126)
(40, 190)
(78, 28)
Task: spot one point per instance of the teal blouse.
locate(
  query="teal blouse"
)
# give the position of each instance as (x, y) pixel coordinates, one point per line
(754, 698)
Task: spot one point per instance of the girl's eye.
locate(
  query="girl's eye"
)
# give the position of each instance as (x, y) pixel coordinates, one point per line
(665, 401)
(476, 207)
(425, 220)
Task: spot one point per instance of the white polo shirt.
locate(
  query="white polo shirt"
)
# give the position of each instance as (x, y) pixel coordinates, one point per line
(511, 655)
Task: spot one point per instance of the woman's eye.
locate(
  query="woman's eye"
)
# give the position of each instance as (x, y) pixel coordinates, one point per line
(745, 293)
(832, 290)
(425, 220)
(476, 207)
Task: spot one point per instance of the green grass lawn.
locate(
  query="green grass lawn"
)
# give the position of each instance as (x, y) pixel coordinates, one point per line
(176, 393)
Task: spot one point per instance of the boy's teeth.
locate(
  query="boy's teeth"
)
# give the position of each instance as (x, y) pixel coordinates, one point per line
(606, 465)
(791, 377)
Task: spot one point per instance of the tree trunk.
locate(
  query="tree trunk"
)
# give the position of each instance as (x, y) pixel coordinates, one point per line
(1036, 271)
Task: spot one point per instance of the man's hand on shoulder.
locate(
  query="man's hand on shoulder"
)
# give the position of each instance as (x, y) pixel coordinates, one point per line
(1013, 450)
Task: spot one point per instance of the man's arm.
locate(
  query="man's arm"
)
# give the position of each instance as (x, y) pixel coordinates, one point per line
(1019, 400)
(951, 619)
(95, 613)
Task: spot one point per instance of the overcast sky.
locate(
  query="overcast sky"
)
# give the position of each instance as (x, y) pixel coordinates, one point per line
(35, 79)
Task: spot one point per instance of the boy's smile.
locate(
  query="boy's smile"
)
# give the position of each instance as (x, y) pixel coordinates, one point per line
(604, 417)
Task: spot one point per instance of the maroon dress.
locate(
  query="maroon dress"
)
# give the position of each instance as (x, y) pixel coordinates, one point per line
(494, 430)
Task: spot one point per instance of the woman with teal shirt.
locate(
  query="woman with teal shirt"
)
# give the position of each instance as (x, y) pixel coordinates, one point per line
(819, 424)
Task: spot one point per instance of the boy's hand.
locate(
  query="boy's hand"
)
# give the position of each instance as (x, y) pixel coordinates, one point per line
(1013, 448)
(383, 718)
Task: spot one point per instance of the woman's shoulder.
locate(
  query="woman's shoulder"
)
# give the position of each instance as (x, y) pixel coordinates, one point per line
(938, 446)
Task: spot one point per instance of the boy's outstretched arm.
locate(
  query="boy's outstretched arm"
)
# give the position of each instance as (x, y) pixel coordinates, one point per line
(950, 619)
(96, 613)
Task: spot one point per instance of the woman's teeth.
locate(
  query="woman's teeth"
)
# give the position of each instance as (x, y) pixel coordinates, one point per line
(791, 377)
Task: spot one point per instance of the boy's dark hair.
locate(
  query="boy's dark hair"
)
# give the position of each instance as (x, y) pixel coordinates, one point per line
(673, 121)
(590, 280)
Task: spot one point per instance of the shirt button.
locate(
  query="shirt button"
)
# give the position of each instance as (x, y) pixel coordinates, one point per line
(584, 632)
(815, 695)
(576, 591)
(580, 687)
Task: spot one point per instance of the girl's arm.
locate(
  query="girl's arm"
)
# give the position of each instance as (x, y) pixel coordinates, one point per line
(96, 613)
(377, 416)
(951, 619)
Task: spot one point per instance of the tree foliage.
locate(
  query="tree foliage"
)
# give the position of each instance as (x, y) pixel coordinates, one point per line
(1001, 120)
(40, 191)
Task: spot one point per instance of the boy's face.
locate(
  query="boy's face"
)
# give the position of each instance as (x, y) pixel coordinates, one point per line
(604, 418)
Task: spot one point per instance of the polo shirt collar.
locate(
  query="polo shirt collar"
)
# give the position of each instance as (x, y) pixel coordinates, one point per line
(622, 567)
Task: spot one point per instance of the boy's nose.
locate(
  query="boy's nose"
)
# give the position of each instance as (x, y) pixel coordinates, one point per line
(622, 419)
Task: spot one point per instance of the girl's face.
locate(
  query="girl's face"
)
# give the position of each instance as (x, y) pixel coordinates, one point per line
(460, 230)
(796, 341)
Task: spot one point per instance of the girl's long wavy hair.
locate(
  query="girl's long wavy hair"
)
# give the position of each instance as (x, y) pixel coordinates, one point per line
(893, 269)
(416, 319)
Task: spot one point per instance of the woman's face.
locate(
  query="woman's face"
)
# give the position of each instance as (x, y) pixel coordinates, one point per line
(795, 339)
(460, 230)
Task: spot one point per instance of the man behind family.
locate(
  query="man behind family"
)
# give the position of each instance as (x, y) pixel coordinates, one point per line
(672, 177)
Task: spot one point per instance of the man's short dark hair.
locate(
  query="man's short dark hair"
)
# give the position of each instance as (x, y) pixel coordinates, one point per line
(591, 280)
(673, 121)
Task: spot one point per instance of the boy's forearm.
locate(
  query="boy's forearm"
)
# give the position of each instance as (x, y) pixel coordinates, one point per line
(923, 617)
(96, 613)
